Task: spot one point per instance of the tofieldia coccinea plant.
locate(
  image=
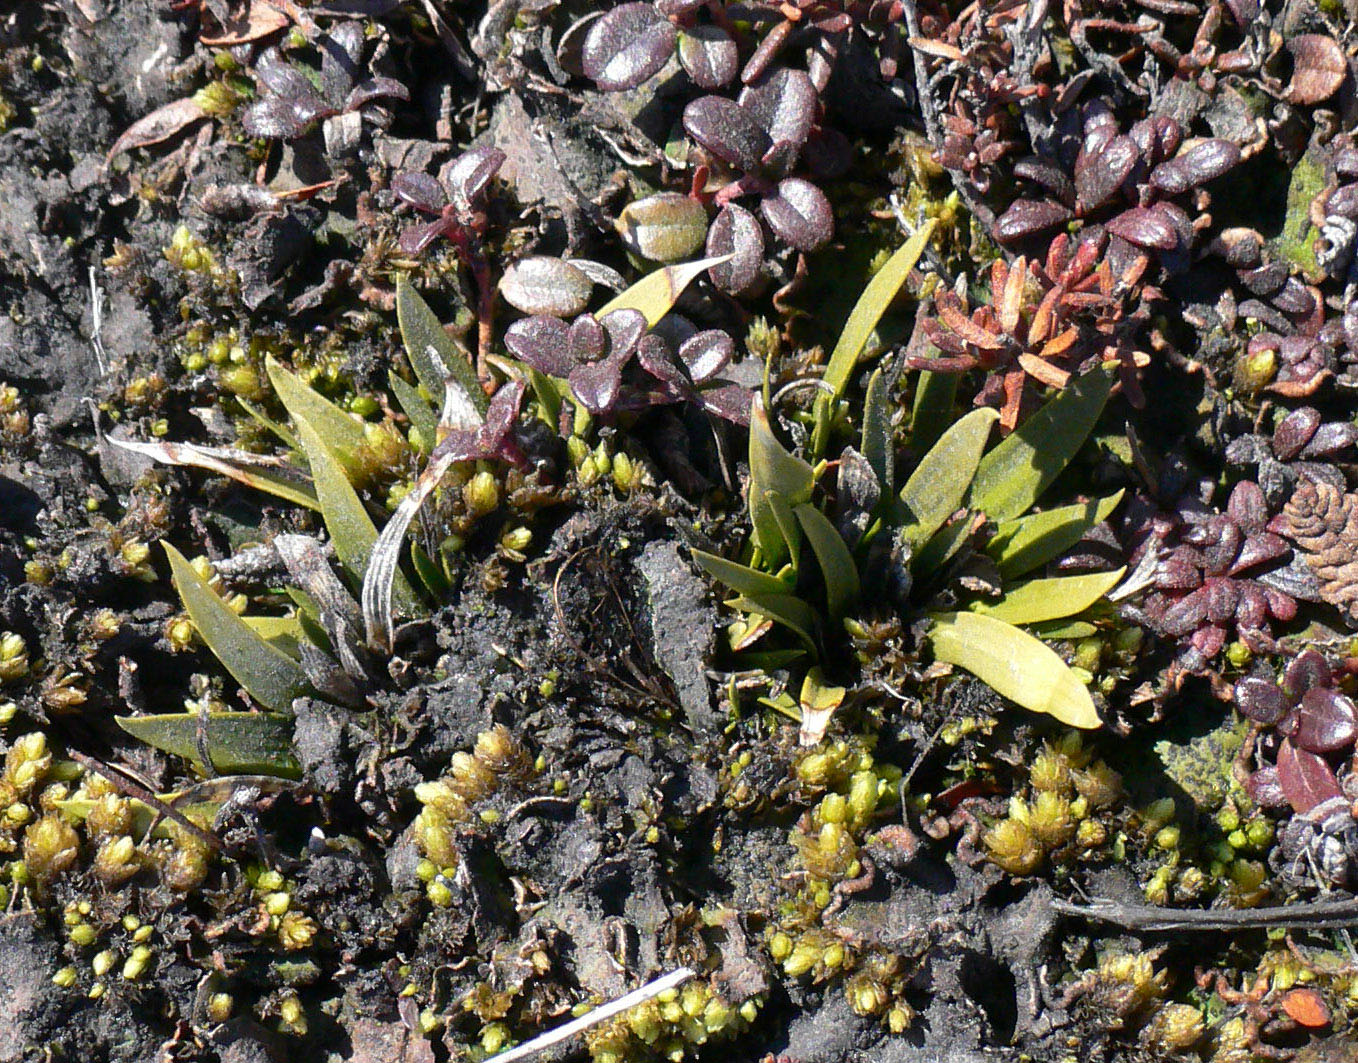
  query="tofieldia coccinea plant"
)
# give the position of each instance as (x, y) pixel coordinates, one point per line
(291, 104)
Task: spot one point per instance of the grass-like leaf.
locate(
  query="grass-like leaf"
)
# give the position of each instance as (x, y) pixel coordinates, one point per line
(270, 676)
(1013, 475)
(793, 613)
(424, 419)
(740, 578)
(863, 319)
(935, 396)
(656, 293)
(1015, 664)
(773, 471)
(433, 354)
(836, 563)
(877, 444)
(1022, 544)
(1040, 600)
(939, 484)
(337, 429)
(239, 743)
(263, 472)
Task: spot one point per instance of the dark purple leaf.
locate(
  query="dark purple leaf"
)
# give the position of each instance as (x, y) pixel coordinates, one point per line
(416, 238)
(1223, 595)
(1306, 779)
(1343, 201)
(727, 130)
(709, 56)
(655, 356)
(784, 103)
(541, 342)
(1145, 228)
(1326, 721)
(586, 340)
(1204, 161)
(597, 385)
(341, 56)
(828, 153)
(625, 329)
(1184, 616)
(1309, 669)
(799, 214)
(1266, 279)
(1259, 548)
(1261, 700)
(278, 118)
(1099, 175)
(731, 402)
(1294, 431)
(1177, 574)
(1028, 217)
(736, 232)
(419, 190)
(679, 9)
(1264, 788)
(570, 50)
(1048, 174)
(1247, 506)
(375, 89)
(627, 46)
(283, 79)
(707, 354)
(1330, 439)
(468, 176)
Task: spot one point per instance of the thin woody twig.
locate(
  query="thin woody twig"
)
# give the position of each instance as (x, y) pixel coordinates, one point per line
(1319, 915)
(129, 786)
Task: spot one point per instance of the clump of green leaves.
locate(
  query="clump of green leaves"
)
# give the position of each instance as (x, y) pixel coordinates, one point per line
(804, 575)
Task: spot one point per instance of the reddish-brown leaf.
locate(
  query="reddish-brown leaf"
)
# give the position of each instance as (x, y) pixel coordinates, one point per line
(1305, 777)
(1306, 1008)
(254, 21)
(1318, 68)
(160, 124)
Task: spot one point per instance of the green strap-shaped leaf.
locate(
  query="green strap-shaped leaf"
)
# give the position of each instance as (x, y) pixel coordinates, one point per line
(1014, 664)
(340, 432)
(836, 563)
(432, 352)
(863, 319)
(239, 743)
(935, 396)
(877, 444)
(793, 613)
(424, 419)
(1013, 475)
(351, 529)
(871, 305)
(656, 293)
(773, 471)
(939, 484)
(944, 545)
(1040, 600)
(270, 676)
(740, 578)
(1021, 545)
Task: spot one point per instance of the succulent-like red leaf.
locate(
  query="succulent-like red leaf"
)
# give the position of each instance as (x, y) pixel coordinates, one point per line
(1308, 669)
(1305, 777)
(419, 190)
(1294, 431)
(468, 176)
(707, 354)
(1099, 175)
(1144, 227)
(1028, 217)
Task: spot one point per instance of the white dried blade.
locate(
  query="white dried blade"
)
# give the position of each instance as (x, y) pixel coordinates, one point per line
(386, 555)
(602, 1013)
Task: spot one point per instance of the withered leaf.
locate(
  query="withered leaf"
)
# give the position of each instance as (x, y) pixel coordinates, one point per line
(160, 124)
(1318, 68)
(252, 21)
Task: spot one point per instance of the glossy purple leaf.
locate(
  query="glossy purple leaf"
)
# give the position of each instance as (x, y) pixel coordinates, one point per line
(541, 342)
(282, 78)
(468, 176)
(628, 45)
(278, 118)
(1028, 217)
(1294, 431)
(1203, 162)
(1330, 439)
(625, 329)
(1259, 548)
(419, 190)
(570, 49)
(341, 58)
(597, 385)
(727, 130)
(1306, 779)
(709, 56)
(1144, 227)
(1099, 175)
(731, 402)
(366, 92)
(1048, 175)
(736, 232)
(1264, 788)
(799, 214)
(1294, 298)
(1261, 699)
(654, 356)
(707, 354)
(1223, 595)
(1183, 616)
(828, 153)
(418, 237)
(1247, 506)
(494, 439)
(1326, 721)
(1266, 279)
(784, 103)
(586, 341)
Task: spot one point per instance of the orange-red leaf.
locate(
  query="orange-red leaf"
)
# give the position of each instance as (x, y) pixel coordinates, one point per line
(1306, 1008)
